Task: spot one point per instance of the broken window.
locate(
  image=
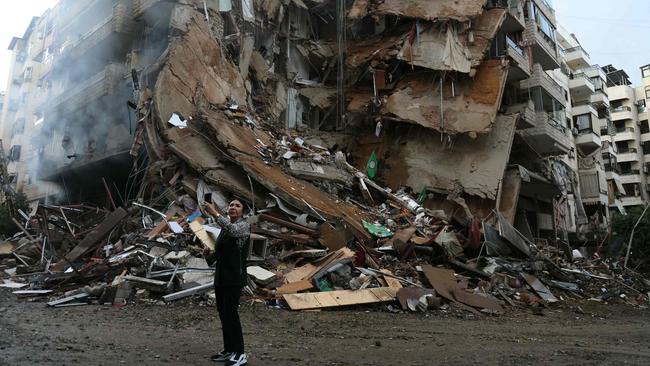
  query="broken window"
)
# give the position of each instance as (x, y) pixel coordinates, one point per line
(583, 123)
(14, 153)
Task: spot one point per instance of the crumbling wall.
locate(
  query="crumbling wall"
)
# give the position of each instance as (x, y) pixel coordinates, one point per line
(416, 157)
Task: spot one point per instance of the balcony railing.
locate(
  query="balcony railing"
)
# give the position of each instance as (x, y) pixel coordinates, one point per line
(512, 44)
(622, 108)
(631, 172)
(576, 48)
(624, 129)
(630, 150)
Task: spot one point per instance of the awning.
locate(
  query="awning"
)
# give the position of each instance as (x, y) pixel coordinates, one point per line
(620, 207)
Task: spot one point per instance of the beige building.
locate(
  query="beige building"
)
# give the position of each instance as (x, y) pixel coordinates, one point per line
(587, 109)
(630, 126)
(25, 94)
(66, 122)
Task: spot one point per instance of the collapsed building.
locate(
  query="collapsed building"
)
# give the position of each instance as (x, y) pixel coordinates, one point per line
(410, 128)
(452, 100)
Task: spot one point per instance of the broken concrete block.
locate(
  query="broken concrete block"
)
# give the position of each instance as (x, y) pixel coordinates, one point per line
(261, 275)
(177, 256)
(158, 251)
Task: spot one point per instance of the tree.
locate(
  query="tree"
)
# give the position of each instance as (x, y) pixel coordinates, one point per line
(622, 226)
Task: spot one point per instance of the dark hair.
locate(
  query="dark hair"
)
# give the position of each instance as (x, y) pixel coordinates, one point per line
(244, 206)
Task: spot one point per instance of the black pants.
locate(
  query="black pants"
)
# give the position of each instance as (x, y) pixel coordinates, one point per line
(227, 304)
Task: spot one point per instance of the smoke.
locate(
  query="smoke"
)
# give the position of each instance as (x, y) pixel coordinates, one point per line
(84, 116)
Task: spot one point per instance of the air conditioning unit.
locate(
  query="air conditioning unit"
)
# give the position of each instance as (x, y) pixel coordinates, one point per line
(575, 131)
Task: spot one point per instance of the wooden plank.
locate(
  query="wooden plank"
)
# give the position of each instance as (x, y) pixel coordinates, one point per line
(319, 300)
(292, 288)
(309, 270)
(197, 228)
(92, 239)
(390, 281)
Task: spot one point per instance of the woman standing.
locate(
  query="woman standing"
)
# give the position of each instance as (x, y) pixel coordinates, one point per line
(229, 278)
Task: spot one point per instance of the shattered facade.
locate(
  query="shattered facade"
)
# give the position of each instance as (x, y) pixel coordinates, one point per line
(443, 95)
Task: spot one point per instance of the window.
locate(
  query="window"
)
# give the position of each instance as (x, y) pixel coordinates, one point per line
(598, 83)
(645, 71)
(544, 24)
(14, 153)
(609, 162)
(583, 123)
(18, 127)
(646, 147)
(644, 126)
(647, 93)
(27, 75)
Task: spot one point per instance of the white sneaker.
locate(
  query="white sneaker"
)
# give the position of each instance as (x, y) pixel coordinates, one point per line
(238, 359)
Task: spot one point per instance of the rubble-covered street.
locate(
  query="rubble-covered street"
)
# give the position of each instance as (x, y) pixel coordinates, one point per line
(184, 334)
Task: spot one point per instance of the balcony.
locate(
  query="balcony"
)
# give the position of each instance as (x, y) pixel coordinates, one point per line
(631, 176)
(588, 140)
(609, 147)
(632, 201)
(141, 6)
(105, 36)
(599, 99)
(548, 137)
(526, 114)
(72, 12)
(581, 86)
(95, 87)
(592, 188)
(519, 63)
(547, 9)
(631, 154)
(621, 113)
(576, 58)
(541, 79)
(586, 108)
(625, 134)
(544, 48)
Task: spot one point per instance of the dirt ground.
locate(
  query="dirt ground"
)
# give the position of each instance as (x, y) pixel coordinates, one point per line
(186, 333)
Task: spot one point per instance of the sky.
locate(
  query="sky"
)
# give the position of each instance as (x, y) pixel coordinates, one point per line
(612, 32)
(15, 16)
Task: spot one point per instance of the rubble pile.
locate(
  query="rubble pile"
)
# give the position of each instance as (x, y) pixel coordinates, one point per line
(325, 233)
(343, 240)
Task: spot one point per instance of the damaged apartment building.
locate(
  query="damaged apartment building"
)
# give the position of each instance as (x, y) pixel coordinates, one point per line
(473, 106)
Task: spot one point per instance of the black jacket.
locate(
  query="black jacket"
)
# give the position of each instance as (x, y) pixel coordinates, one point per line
(231, 252)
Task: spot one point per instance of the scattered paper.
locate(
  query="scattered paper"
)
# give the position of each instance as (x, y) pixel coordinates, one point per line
(176, 121)
(175, 227)
(212, 231)
(12, 284)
